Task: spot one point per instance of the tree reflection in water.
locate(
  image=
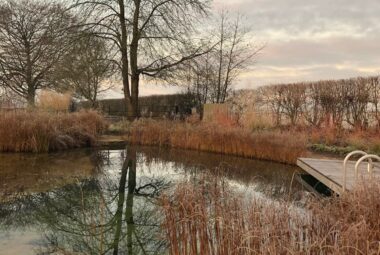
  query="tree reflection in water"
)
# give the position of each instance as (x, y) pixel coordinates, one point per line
(105, 215)
(111, 210)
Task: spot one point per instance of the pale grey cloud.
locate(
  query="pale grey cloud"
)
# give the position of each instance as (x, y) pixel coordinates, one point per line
(308, 18)
(311, 40)
(145, 90)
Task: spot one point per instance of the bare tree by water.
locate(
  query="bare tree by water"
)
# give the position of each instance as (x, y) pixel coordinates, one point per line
(33, 37)
(151, 36)
(112, 214)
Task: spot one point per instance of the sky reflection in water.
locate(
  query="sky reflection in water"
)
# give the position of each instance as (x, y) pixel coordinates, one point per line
(104, 202)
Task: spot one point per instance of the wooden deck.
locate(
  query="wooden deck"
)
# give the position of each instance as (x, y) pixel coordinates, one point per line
(330, 172)
(112, 140)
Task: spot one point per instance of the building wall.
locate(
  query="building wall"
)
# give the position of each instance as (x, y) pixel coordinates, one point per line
(163, 106)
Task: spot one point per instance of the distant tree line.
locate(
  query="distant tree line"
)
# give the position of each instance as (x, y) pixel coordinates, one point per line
(342, 103)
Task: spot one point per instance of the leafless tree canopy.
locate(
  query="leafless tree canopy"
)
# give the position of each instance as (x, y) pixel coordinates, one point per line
(33, 37)
(211, 77)
(340, 103)
(150, 36)
(86, 69)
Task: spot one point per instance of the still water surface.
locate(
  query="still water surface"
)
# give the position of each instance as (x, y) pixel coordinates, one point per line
(105, 201)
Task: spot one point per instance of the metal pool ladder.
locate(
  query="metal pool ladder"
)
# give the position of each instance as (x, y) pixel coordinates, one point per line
(365, 156)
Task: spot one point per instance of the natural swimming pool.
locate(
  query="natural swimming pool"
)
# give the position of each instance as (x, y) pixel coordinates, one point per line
(100, 201)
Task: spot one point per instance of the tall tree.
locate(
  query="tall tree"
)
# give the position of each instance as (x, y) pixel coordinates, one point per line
(151, 36)
(216, 73)
(33, 37)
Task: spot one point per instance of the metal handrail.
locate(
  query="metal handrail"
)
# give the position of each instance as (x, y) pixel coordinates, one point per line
(345, 165)
(370, 166)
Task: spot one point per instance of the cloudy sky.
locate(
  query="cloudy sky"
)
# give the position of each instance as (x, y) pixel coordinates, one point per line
(307, 40)
(311, 39)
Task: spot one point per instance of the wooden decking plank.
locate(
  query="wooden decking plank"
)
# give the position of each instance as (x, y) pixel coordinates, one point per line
(330, 172)
(329, 182)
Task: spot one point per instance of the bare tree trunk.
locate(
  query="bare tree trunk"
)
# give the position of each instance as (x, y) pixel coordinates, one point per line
(120, 204)
(229, 66)
(219, 88)
(130, 198)
(135, 75)
(29, 77)
(31, 97)
(124, 61)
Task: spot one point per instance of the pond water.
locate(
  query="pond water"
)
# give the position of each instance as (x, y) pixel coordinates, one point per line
(105, 201)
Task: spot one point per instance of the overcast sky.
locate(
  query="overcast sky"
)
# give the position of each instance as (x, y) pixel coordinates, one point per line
(307, 39)
(311, 39)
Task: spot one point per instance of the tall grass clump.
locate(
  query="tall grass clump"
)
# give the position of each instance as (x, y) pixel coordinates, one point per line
(36, 131)
(209, 217)
(277, 146)
(53, 101)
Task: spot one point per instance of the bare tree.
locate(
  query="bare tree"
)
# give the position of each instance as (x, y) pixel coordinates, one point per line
(3, 97)
(198, 76)
(86, 69)
(33, 36)
(374, 84)
(333, 103)
(294, 97)
(271, 98)
(151, 36)
(311, 109)
(338, 103)
(234, 53)
(357, 101)
(10, 99)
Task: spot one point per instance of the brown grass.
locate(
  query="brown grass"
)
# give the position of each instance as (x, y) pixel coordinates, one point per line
(277, 146)
(367, 140)
(253, 120)
(210, 218)
(53, 101)
(36, 131)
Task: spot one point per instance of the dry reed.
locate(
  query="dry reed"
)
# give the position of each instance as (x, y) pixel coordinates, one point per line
(367, 140)
(53, 101)
(210, 218)
(36, 131)
(277, 146)
(254, 120)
